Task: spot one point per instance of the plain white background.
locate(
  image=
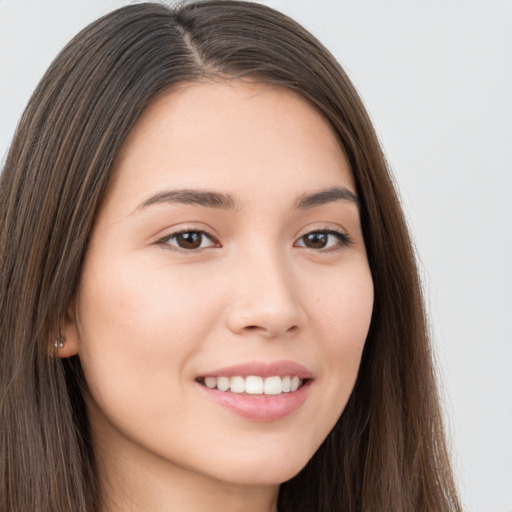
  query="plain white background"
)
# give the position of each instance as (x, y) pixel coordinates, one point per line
(436, 77)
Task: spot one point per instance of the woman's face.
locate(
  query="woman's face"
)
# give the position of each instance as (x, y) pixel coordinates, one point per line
(228, 252)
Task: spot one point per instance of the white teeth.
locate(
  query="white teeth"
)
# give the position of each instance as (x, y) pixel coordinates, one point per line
(237, 384)
(223, 383)
(286, 384)
(273, 386)
(255, 385)
(211, 382)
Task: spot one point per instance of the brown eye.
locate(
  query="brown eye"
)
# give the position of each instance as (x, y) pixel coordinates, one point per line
(327, 239)
(315, 240)
(189, 240)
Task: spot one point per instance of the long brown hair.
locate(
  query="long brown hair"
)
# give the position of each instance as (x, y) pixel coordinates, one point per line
(387, 451)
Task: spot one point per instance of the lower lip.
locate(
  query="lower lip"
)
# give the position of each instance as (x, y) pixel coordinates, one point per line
(264, 408)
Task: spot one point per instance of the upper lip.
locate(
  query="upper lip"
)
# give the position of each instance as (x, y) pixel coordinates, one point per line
(262, 369)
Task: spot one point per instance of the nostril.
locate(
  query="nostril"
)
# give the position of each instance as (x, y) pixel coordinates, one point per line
(257, 328)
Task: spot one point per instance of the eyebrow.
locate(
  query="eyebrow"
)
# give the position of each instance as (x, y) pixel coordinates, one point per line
(326, 196)
(195, 197)
(210, 199)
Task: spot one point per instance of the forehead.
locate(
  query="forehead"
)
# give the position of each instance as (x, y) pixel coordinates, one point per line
(221, 134)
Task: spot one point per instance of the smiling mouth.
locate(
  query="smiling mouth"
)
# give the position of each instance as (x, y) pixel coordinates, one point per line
(254, 385)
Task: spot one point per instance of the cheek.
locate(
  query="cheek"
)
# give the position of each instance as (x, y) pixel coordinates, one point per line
(343, 316)
(344, 309)
(340, 311)
(137, 330)
(133, 306)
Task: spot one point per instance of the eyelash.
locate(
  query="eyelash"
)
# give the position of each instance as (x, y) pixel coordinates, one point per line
(343, 240)
(165, 240)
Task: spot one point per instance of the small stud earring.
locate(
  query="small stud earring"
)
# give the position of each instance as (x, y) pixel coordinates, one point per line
(59, 341)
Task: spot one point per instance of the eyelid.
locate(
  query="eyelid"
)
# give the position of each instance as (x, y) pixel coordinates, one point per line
(343, 237)
(163, 240)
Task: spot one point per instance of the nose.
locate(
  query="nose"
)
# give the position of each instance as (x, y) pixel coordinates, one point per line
(265, 299)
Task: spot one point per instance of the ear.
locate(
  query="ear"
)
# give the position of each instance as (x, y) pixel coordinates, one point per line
(66, 342)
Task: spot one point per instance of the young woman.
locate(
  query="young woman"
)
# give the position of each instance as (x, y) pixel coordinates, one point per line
(209, 298)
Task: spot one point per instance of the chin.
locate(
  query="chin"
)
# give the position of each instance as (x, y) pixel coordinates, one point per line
(274, 469)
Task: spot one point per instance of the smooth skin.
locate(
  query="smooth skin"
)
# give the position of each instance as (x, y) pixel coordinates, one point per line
(174, 287)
